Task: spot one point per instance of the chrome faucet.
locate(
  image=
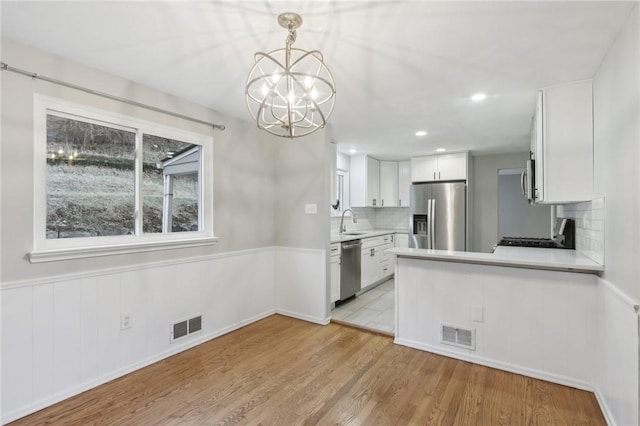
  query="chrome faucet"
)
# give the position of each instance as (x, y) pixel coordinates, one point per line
(353, 215)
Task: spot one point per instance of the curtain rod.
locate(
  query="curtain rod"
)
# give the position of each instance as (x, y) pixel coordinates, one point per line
(5, 67)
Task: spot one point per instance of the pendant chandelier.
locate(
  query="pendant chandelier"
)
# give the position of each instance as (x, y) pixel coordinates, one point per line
(290, 92)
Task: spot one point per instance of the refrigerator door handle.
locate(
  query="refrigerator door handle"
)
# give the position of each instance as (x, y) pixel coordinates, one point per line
(432, 219)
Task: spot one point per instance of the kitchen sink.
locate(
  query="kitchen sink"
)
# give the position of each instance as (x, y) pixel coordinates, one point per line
(353, 233)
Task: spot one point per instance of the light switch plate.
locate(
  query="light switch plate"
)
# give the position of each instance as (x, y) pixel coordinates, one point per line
(477, 313)
(125, 321)
(311, 209)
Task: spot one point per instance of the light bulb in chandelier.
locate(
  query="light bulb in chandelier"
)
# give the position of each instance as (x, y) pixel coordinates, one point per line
(290, 92)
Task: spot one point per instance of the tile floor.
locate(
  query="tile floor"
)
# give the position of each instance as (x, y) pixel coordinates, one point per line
(373, 309)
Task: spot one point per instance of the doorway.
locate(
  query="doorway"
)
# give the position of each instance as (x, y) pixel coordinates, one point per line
(516, 217)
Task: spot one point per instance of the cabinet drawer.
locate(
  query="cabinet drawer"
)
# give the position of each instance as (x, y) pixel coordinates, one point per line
(335, 249)
(372, 242)
(378, 241)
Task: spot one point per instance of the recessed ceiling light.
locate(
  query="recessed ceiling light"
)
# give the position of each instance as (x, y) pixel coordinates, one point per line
(353, 151)
(440, 150)
(479, 97)
(421, 133)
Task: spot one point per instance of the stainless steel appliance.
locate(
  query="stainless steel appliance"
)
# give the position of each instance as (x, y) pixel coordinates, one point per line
(563, 237)
(350, 269)
(528, 181)
(438, 216)
(528, 242)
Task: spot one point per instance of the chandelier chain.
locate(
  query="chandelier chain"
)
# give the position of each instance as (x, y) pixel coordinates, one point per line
(291, 38)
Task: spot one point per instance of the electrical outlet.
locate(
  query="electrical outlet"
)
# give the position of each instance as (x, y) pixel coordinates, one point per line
(125, 321)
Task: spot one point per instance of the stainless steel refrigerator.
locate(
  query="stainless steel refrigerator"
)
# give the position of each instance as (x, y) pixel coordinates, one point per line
(438, 216)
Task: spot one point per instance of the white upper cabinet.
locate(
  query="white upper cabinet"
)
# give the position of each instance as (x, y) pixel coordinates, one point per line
(563, 143)
(379, 183)
(439, 167)
(404, 183)
(389, 184)
(424, 169)
(365, 181)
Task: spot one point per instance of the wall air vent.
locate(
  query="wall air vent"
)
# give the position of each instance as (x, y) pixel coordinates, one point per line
(458, 336)
(183, 328)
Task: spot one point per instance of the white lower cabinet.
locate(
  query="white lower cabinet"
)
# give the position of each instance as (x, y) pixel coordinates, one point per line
(335, 272)
(368, 268)
(402, 240)
(385, 264)
(376, 264)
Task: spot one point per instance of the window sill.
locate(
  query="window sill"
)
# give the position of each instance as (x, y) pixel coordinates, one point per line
(97, 251)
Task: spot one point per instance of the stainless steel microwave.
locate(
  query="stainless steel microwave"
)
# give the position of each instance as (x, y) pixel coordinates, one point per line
(528, 181)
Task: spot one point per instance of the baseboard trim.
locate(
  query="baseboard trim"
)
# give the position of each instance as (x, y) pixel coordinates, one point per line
(303, 317)
(604, 407)
(60, 396)
(536, 374)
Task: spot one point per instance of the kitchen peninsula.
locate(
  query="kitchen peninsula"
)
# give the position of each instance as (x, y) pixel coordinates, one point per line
(530, 311)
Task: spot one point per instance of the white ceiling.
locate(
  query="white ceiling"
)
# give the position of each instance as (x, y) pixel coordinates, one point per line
(399, 66)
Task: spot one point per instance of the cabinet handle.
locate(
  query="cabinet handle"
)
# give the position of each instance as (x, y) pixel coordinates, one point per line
(382, 203)
(374, 201)
(399, 203)
(438, 175)
(434, 175)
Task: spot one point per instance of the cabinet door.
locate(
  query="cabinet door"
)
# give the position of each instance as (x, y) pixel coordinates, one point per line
(402, 240)
(424, 169)
(369, 267)
(567, 143)
(373, 182)
(335, 278)
(388, 183)
(364, 181)
(452, 167)
(404, 183)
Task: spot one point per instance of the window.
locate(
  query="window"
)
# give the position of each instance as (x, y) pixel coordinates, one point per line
(107, 183)
(342, 190)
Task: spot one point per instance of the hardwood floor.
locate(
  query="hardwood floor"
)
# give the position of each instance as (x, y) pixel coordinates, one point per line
(282, 371)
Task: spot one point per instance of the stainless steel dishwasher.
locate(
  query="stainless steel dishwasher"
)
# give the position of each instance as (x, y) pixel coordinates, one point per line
(350, 269)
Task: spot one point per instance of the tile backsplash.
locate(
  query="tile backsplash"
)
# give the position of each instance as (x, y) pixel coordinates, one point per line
(393, 218)
(396, 218)
(589, 217)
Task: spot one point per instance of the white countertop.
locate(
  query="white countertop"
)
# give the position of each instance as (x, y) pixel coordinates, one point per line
(518, 257)
(365, 233)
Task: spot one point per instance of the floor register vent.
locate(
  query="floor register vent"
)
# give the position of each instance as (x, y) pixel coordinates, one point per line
(458, 336)
(184, 328)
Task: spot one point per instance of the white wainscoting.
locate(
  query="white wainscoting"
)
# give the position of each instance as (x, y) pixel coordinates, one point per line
(617, 366)
(301, 286)
(61, 336)
(537, 323)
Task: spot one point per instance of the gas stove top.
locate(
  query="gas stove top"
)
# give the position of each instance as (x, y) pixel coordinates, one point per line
(529, 242)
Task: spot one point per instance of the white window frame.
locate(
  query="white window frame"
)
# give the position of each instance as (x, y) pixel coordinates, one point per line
(346, 203)
(45, 250)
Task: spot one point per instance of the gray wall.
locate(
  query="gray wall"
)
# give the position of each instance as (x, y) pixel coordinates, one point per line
(244, 164)
(484, 214)
(516, 217)
(303, 176)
